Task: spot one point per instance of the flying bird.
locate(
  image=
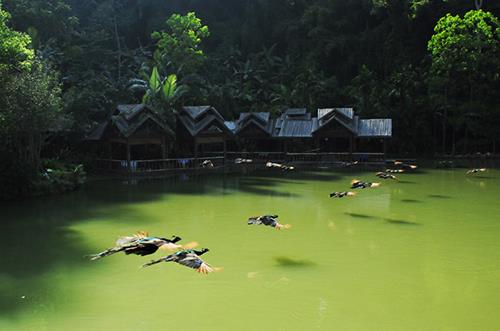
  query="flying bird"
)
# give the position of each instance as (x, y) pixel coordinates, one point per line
(268, 220)
(279, 166)
(394, 171)
(385, 175)
(189, 258)
(342, 194)
(405, 165)
(474, 171)
(355, 183)
(142, 244)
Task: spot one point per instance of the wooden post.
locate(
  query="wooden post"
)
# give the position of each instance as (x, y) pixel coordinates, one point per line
(128, 156)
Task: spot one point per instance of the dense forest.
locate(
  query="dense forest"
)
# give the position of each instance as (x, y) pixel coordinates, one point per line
(430, 65)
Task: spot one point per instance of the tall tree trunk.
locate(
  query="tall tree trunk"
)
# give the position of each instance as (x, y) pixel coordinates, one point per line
(118, 44)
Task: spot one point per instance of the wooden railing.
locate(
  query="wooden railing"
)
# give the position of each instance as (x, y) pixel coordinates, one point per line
(150, 166)
(144, 166)
(306, 157)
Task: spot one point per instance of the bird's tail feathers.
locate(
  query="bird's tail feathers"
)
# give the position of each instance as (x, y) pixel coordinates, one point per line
(206, 269)
(170, 247)
(190, 245)
(282, 226)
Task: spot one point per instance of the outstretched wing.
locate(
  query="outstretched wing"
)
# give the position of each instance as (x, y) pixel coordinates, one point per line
(191, 260)
(122, 241)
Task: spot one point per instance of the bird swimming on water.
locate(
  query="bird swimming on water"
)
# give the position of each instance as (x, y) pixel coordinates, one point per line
(385, 175)
(355, 183)
(142, 244)
(474, 171)
(268, 220)
(342, 194)
(189, 258)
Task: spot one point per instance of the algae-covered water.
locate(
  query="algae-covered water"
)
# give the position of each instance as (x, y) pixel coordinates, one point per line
(421, 253)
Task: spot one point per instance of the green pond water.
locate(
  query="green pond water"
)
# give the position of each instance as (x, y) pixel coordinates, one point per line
(422, 253)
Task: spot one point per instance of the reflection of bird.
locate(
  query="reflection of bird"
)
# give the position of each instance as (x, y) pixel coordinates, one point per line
(349, 164)
(140, 244)
(269, 220)
(189, 258)
(240, 160)
(474, 171)
(342, 194)
(385, 175)
(355, 183)
(279, 166)
(207, 164)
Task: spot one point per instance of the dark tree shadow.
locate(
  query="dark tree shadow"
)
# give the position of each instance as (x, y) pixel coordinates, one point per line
(289, 262)
(37, 235)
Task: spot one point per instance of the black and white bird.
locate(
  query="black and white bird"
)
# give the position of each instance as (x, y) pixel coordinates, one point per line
(189, 258)
(475, 171)
(385, 175)
(355, 183)
(342, 194)
(268, 220)
(142, 244)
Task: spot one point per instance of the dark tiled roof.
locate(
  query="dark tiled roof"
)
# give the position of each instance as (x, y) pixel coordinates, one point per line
(261, 120)
(297, 128)
(380, 127)
(202, 118)
(129, 111)
(127, 119)
(195, 111)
